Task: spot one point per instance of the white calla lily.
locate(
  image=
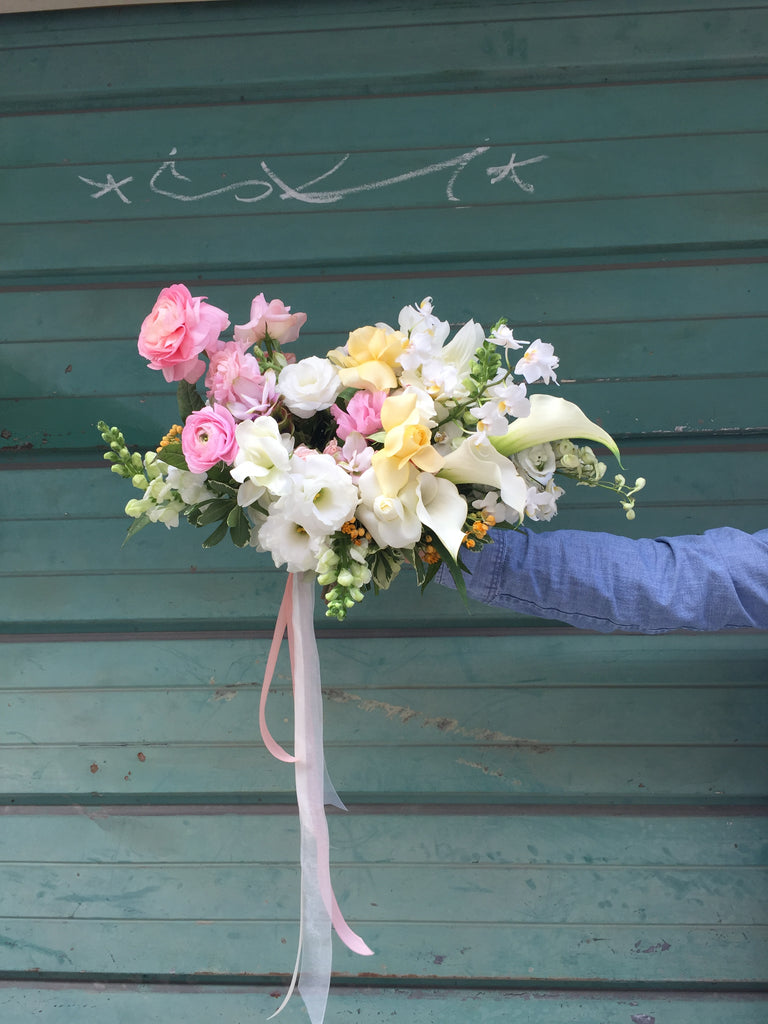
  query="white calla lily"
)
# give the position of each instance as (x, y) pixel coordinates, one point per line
(476, 461)
(551, 419)
(443, 510)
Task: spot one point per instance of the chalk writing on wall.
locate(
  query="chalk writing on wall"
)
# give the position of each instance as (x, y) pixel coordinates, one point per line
(169, 182)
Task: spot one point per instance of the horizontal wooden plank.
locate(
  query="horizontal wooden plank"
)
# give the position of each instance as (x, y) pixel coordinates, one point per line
(406, 773)
(321, 61)
(144, 1005)
(129, 1004)
(647, 112)
(653, 954)
(564, 172)
(259, 836)
(380, 715)
(591, 294)
(234, 662)
(355, 240)
(597, 911)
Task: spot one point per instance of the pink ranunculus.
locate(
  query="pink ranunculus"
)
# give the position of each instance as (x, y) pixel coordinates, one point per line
(208, 437)
(273, 318)
(363, 414)
(177, 330)
(235, 380)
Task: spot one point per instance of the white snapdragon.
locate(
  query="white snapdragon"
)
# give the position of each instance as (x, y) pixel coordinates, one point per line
(310, 385)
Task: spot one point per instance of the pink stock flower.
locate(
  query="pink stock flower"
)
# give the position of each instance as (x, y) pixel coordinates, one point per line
(235, 380)
(208, 437)
(363, 414)
(177, 330)
(273, 318)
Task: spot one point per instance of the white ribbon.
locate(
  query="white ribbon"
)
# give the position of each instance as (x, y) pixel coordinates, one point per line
(319, 909)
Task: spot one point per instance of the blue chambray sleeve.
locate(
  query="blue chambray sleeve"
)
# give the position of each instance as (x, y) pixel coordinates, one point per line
(597, 581)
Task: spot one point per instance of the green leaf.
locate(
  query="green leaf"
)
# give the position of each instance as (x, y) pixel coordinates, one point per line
(172, 455)
(136, 525)
(240, 528)
(222, 488)
(188, 398)
(218, 535)
(217, 508)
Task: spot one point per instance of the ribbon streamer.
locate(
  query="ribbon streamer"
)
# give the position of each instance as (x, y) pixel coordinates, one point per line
(319, 909)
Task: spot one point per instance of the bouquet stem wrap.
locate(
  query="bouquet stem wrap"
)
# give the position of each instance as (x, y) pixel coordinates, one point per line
(319, 910)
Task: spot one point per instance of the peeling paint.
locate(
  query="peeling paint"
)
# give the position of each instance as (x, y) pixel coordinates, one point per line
(443, 724)
(225, 693)
(658, 947)
(642, 1018)
(481, 767)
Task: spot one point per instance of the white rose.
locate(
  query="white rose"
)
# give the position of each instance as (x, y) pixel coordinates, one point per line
(309, 385)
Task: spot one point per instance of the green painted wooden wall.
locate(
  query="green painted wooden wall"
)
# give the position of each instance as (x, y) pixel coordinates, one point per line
(545, 826)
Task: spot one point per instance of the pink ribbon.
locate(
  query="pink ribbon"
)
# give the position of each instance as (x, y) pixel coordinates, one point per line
(319, 907)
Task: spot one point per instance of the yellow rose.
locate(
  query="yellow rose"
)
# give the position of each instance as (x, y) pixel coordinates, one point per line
(370, 359)
(407, 440)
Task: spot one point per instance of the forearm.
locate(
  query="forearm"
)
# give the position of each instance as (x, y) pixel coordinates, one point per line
(597, 581)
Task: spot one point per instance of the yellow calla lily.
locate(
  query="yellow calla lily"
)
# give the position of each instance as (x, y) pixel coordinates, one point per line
(551, 419)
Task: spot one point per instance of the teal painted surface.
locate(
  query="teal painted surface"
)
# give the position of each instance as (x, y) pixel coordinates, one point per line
(529, 810)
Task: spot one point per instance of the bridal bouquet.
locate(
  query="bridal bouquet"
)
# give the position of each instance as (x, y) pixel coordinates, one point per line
(400, 445)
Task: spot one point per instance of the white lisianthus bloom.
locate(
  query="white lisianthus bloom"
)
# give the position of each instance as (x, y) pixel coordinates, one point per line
(310, 385)
(542, 505)
(322, 497)
(538, 363)
(476, 461)
(288, 542)
(262, 461)
(537, 463)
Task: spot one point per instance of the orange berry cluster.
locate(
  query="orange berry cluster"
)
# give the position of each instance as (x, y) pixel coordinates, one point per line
(483, 521)
(428, 552)
(355, 531)
(172, 434)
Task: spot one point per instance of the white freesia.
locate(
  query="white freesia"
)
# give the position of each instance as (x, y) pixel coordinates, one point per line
(310, 385)
(262, 460)
(476, 461)
(551, 419)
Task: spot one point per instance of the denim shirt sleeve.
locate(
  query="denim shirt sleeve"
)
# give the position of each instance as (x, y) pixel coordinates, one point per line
(598, 581)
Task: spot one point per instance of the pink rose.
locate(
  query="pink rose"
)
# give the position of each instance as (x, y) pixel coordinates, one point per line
(273, 318)
(235, 380)
(177, 330)
(363, 414)
(208, 437)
